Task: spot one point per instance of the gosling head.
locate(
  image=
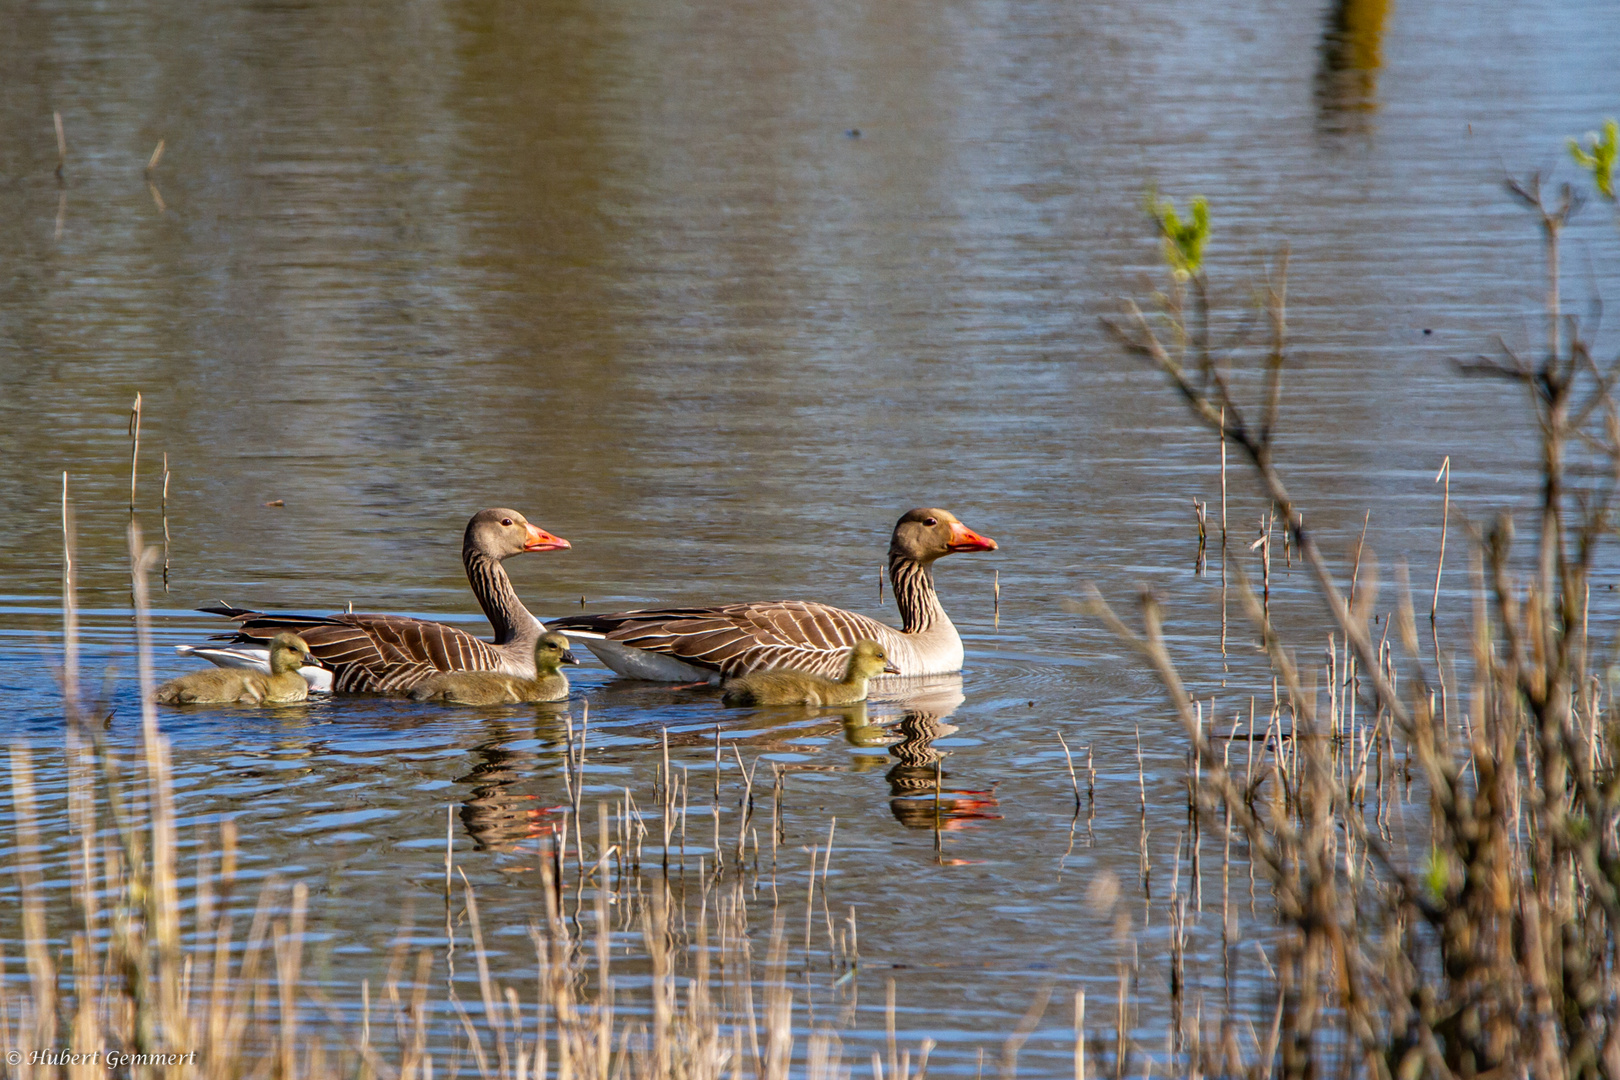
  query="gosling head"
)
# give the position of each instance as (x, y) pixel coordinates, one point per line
(927, 533)
(867, 659)
(550, 653)
(288, 652)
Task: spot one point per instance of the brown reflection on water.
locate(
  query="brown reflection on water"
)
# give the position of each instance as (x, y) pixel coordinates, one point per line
(1351, 55)
(497, 814)
(919, 796)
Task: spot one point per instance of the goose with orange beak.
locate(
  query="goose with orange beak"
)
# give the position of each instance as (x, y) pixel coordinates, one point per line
(709, 644)
(380, 653)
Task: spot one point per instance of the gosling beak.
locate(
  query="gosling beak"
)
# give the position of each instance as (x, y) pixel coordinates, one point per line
(309, 658)
(540, 540)
(568, 657)
(889, 668)
(965, 539)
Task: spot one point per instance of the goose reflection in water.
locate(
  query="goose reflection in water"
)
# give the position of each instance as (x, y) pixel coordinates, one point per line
(918, 766)
(496, 815)
(1351, 54)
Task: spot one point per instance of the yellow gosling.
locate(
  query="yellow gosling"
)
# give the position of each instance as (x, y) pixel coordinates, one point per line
(789, 686)
(240, 686)
(495, 688)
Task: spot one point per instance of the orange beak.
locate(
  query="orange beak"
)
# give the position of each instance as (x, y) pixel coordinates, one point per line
(540, 540)
(965, 539)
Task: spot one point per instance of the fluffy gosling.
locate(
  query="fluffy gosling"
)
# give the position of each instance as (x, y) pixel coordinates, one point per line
(495, 688)
(789, 686)
(241, 686)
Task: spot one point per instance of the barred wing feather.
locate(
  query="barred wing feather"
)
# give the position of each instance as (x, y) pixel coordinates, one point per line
(739, 638)
(375, 653)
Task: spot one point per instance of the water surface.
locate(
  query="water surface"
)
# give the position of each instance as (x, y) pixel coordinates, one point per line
(717, 291)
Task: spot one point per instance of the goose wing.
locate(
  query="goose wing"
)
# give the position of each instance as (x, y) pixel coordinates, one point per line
(375, 653)
(739, 638)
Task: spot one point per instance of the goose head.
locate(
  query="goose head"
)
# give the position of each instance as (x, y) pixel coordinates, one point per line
(868, 660)
(500, 533)
(927, 533)
(288, 652)
(550, 653)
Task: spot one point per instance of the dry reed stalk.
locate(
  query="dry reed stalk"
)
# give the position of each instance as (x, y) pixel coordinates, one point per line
(70, 616)
(1445, 520)
(134, 448)
(164, 506)
(1074, 781)
(1221, 429)
(1079, 1035)
(1201, 513)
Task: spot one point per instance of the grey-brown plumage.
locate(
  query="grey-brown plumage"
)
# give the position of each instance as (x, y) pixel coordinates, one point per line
(225, 686)
(734, 639)
(495, 688)
(791, 686)
(390, 653)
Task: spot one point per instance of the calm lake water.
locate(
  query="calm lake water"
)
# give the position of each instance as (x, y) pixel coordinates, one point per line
(716, 291)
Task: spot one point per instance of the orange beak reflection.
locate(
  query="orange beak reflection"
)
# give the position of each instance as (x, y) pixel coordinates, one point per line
(965, 539)
(540, 540)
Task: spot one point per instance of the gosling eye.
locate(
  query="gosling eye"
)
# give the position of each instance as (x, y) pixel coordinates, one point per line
(508, 521)
(930, 521)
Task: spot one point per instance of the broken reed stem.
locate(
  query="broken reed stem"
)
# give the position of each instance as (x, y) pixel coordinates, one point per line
(1074, 781)
(70, 614)
(1141, 774)
(157, 155)
(134, 448)
(1445, 520)
(61, 145)
(1201, 512)
(165, 510)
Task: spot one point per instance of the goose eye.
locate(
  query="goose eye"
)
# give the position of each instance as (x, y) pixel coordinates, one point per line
(930, 521)
(508, 521)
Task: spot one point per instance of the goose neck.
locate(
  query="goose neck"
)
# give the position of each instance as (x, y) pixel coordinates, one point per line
(506, 613)
(914, 594)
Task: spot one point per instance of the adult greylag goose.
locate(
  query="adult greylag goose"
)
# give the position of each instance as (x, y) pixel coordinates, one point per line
(226, 686)
(389, 653)
(791, 686)
(708, 644)
(494, 688)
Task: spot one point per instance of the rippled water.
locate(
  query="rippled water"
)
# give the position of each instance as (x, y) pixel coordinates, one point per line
(716, 291)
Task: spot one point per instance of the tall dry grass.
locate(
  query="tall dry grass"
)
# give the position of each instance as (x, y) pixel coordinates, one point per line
(1491, 945)
(154, 979)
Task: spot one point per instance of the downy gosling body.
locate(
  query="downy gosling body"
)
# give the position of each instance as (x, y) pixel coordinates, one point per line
(495, 688)
(790, 686)
(225, 686)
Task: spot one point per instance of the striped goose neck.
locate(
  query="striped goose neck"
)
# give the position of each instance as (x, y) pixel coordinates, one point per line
(914, 594)
(506, 613)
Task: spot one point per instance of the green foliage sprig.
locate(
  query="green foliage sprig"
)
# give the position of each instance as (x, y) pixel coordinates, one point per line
(1598, 156)
(1183, 240)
